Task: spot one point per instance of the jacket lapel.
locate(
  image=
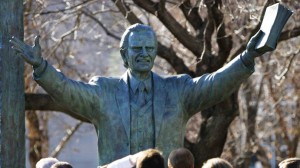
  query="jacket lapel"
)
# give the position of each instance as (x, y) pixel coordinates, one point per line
(159, 99)
(122, 97)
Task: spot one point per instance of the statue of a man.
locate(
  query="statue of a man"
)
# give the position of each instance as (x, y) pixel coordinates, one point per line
(140, 109)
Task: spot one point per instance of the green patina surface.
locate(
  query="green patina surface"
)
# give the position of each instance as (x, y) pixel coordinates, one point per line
(107, 102)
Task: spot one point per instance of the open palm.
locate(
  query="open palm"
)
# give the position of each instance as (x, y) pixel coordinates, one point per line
(31, 54)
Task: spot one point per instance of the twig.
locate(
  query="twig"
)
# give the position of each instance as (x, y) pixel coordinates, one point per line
(90, 15)
(66, 9)
(65, 140)
(289, 64)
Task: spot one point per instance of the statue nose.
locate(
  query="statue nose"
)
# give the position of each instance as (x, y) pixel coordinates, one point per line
(144, 52)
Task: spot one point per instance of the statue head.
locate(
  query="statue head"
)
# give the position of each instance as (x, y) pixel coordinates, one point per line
(138, 48)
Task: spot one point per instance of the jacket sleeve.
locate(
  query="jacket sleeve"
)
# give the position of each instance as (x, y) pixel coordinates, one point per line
(78, 97)
(209, 89)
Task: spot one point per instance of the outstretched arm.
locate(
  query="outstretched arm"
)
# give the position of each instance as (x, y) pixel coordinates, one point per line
(209, 89)
(76, 96)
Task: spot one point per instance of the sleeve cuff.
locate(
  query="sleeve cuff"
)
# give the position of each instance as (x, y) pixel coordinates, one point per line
(39, 71)
(247, 59)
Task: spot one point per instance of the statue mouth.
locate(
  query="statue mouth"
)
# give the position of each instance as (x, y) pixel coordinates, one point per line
(143, 60)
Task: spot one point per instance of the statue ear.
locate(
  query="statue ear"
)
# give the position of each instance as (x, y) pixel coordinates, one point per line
(124, 56)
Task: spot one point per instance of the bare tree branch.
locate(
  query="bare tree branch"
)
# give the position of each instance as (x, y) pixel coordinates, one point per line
(162, 5)
(90, 15)
(126, 12)
(84, 3)
(224, 40)
(192, 16)
(171, 23)
(169, 54)
(61, 39)
(44, 102)
(278, 111)
(35, 137)
(288, 66)
(65, 140)
(288, 34)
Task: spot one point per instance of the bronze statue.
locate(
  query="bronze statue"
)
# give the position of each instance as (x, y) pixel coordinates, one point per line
(140, 109)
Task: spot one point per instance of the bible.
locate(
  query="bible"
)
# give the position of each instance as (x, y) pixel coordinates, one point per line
(273, 22)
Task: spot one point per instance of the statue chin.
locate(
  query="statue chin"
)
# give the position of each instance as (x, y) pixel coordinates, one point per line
(142, 68)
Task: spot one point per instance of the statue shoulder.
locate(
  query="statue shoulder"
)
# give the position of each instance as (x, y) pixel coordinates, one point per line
(176, 80)
(177, 77)
(97, 80)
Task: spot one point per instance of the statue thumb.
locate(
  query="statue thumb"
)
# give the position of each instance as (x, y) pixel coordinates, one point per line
(37, 40)
(255, 40)
(258, 36)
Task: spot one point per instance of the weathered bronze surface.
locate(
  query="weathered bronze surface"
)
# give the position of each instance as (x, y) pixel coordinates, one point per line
(106, 102)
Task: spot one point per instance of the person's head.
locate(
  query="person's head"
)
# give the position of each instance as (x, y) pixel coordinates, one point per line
(151, 158)
(181, 158)
(290, 163)
(138, 48)
(46, 162)
(61, 165)
(217, 163)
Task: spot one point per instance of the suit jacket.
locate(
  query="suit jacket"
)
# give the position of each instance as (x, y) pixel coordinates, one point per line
(105, 102)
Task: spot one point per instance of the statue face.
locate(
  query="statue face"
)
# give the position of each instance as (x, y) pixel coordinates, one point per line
(141, 51)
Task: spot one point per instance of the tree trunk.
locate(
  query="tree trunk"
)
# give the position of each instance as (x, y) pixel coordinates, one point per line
(35, 138)
(12, 116)
(213, 131)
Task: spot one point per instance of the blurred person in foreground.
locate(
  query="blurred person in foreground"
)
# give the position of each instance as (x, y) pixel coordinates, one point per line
(150, 158)
(61, 165)
(46, 162)
(290, 163)
(217, 163)
(181, 158)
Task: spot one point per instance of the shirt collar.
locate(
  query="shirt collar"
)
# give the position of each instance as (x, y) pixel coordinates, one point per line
(134, 83)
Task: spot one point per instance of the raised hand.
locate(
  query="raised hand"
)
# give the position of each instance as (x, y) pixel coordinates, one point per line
(253, 42)
(31, 54)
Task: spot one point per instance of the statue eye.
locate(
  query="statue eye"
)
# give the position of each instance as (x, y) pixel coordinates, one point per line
(150, 49)
(137, 49)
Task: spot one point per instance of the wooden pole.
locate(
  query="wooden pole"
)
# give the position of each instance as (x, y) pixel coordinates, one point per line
(12, 116)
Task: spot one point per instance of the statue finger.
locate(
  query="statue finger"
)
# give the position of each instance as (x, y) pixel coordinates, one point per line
(13, 42)
(17, 42)
(17, 50)
(20, 53)
(16, 39)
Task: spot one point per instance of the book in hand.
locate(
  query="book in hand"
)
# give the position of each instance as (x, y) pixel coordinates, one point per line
(273, 22)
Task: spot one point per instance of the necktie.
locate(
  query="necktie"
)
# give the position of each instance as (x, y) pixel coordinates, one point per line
(141, 95)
